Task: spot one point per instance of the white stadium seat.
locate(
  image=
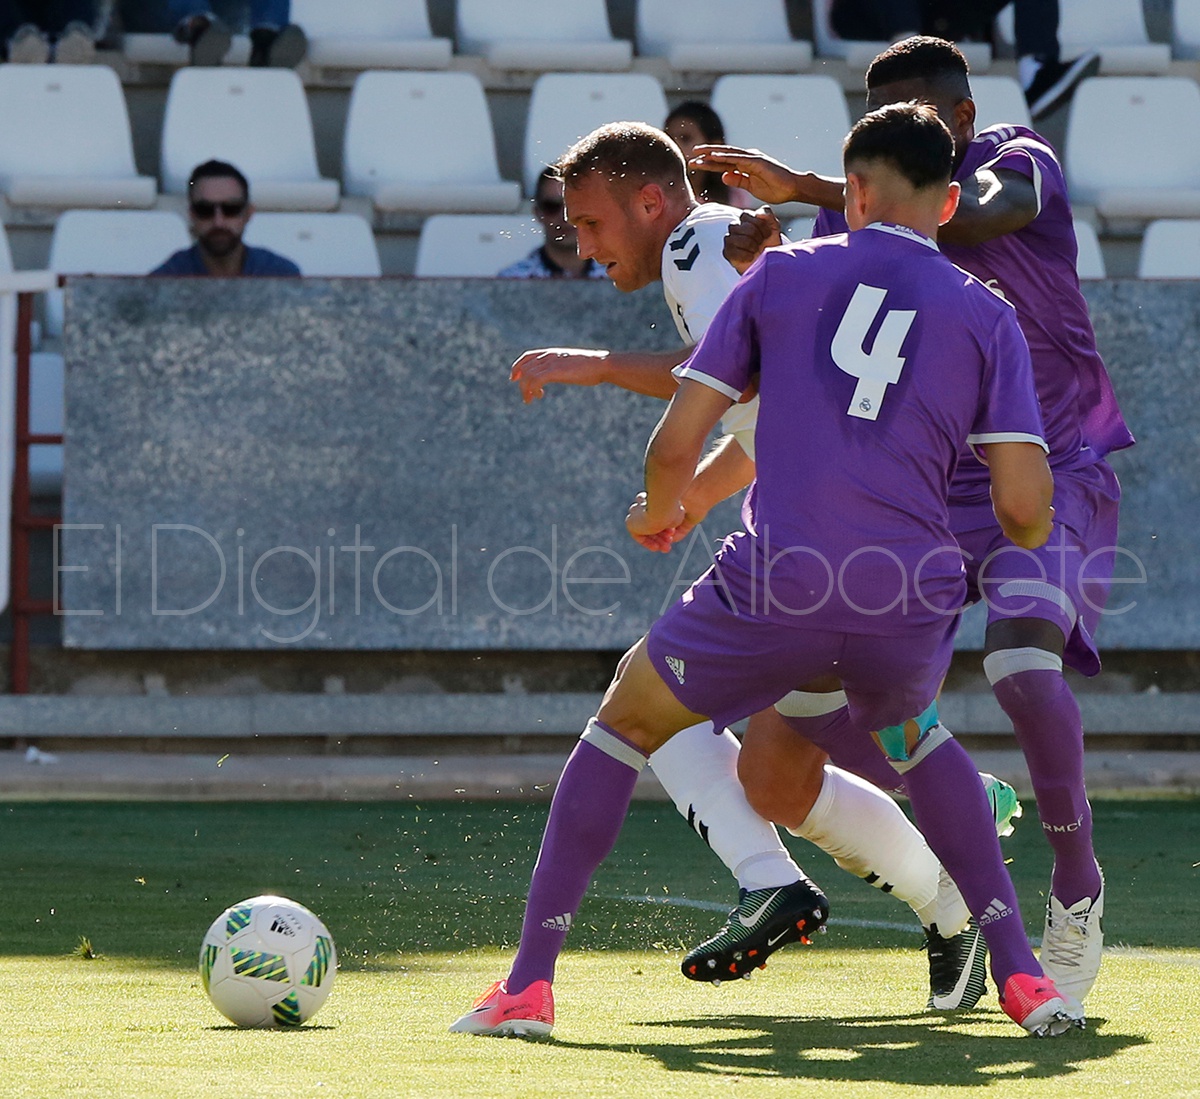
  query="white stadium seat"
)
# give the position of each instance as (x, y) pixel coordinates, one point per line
(800, 120)
(110, 242)
(46, 417)
(1090, 262)
(1171, 250)
(1116, 29)
(423, 143)
(1185, 31)
(1125, 152)
(860, 54)
(566, 106)
(370, 34)
(257, 120)
(541, 35)
(720, 36)
(65, 139)
(998, 100)
(326, 245)
(474, 245)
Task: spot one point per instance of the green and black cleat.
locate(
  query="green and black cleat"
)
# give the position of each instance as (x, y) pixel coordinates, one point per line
(764, 920)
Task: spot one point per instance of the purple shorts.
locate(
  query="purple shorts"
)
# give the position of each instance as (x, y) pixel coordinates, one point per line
(1067, 580)
(727, 666)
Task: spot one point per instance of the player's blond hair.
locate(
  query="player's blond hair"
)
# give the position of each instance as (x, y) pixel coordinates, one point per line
(625, 151)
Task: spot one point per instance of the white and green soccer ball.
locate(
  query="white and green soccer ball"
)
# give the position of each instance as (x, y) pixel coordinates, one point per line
(267, 962)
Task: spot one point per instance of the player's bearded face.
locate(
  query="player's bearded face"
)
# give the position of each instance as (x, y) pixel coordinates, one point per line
(606, 216)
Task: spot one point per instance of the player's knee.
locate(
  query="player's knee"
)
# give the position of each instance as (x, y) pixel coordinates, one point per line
(778, 794)
(1006, 671)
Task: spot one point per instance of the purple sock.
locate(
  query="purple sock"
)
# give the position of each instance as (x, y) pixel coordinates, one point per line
(847, 748)
(953, 813)
(586, 815)
(1045, 718)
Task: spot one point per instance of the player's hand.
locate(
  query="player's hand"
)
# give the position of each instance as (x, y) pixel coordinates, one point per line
(648, 532)
(763, 176)
(747, 238)
(565, 365)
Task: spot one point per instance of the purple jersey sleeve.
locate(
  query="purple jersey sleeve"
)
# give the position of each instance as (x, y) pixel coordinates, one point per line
(727, 356)
(1008, 405)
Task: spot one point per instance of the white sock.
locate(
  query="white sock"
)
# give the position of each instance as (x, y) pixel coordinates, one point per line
(867, 834)
(699, 771)
(1027, 70)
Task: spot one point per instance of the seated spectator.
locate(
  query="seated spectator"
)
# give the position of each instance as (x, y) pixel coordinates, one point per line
(1048, 81)
(218, 211)
(694, 123)
(273, 40)
(558, 256)
(34, 33)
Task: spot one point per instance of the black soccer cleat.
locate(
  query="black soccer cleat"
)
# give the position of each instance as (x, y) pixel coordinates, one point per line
(957, 969)
(764, 920)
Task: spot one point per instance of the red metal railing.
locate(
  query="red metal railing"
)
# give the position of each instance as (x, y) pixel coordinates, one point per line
(23, 521)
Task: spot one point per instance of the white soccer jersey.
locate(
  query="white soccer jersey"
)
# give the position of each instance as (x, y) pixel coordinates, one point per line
(696, 279)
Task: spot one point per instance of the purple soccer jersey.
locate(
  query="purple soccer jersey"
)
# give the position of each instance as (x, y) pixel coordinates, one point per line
(878, 360)
(1034, 269)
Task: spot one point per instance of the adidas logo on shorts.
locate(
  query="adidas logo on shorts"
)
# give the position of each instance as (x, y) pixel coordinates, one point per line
(558, 923)
(676, 666)
(997, 910)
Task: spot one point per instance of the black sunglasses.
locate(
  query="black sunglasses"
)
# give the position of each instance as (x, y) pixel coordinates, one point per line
(205, 210)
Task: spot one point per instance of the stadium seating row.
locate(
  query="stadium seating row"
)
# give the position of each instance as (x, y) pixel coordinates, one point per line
(422, 143)
(133, 242)
(715, 36)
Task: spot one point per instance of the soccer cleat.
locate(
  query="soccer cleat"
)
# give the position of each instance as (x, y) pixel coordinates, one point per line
(1055, 82)
(764, 920)
(1003, 800)
(501, 1014)
(1034, 1003)
(957, 969)
(1072, 944)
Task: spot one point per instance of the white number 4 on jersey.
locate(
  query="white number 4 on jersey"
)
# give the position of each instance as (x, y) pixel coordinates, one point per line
(880, 367)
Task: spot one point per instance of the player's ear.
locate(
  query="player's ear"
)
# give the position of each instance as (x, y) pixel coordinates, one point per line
(652, 199)
(964, 118)
(950, 207)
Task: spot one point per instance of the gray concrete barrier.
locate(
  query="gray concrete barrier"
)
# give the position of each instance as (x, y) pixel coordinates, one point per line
(343, 464)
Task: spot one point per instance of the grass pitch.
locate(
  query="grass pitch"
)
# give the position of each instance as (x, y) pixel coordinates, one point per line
(425, 905)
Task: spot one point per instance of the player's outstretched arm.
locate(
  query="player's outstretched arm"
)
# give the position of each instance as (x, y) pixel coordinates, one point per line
(724, 470)
(1022, 487)
(646, 372)
(767, 178)
(671, 460)
(991, 204)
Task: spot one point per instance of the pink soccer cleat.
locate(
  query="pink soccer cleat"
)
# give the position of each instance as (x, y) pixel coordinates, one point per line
(502, 1014)
(1039, 1007)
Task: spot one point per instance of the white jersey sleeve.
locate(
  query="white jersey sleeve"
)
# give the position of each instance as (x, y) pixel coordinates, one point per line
(696, 279)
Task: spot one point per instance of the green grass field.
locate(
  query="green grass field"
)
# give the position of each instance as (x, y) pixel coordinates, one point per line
(425, 905)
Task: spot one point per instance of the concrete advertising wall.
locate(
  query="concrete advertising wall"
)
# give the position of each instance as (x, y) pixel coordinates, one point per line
(343, 464)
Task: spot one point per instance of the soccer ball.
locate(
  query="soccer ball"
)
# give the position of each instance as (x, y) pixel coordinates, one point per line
(267, 962)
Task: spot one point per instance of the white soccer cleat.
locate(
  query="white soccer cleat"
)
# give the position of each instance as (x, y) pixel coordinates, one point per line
(1072, 944)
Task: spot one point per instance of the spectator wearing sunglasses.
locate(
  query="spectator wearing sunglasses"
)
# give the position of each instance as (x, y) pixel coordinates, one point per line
(558, 255)
(218, 210)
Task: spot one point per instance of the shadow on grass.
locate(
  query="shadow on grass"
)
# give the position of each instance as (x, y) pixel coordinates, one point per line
(918, 1049)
